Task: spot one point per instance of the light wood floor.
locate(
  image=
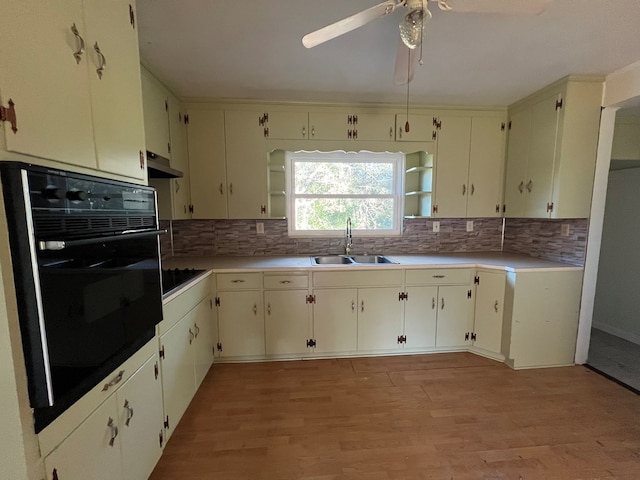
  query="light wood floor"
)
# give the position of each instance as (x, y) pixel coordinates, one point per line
(441, 417)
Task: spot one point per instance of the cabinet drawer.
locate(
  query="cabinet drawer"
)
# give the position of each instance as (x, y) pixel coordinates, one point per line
(438, 276)
(286, 281)
(239, 281)
(359, 278)
(180, 305)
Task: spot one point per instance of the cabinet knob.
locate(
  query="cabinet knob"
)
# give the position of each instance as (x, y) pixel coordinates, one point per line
(255, 309)
(495, 306)
(221, 189)
(442, 304)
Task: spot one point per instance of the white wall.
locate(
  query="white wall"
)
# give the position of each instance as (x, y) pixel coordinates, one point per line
(617, 303)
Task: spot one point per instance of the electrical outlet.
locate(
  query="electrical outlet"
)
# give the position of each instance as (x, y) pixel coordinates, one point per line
(565, 229)
(469, 225)
(436, 227)
(260, 228)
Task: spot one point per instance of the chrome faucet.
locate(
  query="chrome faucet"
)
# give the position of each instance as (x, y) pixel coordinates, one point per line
(348, 238)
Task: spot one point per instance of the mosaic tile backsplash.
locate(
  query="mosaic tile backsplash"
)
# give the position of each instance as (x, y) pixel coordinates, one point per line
(538, 238)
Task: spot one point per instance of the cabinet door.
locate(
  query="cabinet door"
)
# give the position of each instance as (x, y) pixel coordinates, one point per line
(379, 318)
(455, 315)
(420, 317)
(489, 311)
(328, 126)
(247, 160)
(421, 128)
(335, 320)
(373, 126)
(156, 122)
(92, 450)
(452, 166)
(241, 324)
(140, 421)
(542, 149)
(286, 322)
(288, 125)
(203, 344)
(207, 167)
(41, 76)
(517, 159)
(486, 162)
(178, 381)
(116, 96)
(179, 160)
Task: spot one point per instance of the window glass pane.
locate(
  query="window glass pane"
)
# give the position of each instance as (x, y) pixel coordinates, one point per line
(342, 178)
(332, 213)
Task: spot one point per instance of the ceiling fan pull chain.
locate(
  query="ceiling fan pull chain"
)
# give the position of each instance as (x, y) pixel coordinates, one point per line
(406, 125)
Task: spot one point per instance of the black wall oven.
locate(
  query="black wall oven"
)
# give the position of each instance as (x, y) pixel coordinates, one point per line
(86, 263)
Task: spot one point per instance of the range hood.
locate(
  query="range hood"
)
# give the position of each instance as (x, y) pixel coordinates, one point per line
(159, 167)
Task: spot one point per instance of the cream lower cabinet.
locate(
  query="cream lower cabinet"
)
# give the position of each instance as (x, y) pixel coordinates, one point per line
(541, 317)
(186, 349)
(489, 311)
(335, 320)
(121, 439)
(379, 318)
(240, 308)
(455, 315)
(420, 316)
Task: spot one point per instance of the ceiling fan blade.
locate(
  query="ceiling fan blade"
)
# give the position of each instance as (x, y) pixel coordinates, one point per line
(508, 7)
(406, 60)
(350, 23)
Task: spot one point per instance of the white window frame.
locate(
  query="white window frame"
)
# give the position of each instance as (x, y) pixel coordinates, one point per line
(398, 161)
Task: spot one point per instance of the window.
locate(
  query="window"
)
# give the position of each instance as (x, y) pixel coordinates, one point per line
(326, 188)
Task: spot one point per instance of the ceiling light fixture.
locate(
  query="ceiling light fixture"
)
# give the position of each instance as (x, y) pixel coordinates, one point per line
(412, 25)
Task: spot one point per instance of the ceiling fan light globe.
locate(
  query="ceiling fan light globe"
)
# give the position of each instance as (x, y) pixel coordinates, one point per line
(411, 26)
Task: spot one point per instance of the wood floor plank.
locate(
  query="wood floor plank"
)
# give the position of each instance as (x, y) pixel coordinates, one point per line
(441, 417)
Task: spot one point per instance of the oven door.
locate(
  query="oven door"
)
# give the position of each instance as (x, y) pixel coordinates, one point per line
(100, 301)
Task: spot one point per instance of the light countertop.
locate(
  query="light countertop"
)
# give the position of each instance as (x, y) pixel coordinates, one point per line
(495, 260)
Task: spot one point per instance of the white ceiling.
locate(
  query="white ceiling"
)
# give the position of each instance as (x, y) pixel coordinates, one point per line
(252, 49)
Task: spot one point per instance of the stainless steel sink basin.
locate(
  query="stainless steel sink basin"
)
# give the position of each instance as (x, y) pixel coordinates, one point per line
(331, 260)
(349, 260)
(371, 259)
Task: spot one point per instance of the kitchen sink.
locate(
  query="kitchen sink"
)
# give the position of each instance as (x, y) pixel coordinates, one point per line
(331, 260)
(371, 259)
(349, 260)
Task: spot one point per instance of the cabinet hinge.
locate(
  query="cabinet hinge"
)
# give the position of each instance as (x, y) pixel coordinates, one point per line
(219, 346)
(210, 304)
(311, 343)
(435, 209)
(468, 293)
(217, 301)
(263, 120)
(504, 208)
(550, 207)
(161, 352)
(502, 126)
(263, 209)
(434, 135)
(476, 280)
(473, 336)
(402, 339)
(161, 438)
(497, 208)
(169, 147)
(54, 475)
(403, 296)
(509, 124)
(155, 370)
(466, 336)
(559, 104)
(311, 299)
(190, 208)
(437, 123)
(141, 160)
(8, 114)
(265, 132)
(132, 16)
(166, 422)
(166, 105)
(186, 119)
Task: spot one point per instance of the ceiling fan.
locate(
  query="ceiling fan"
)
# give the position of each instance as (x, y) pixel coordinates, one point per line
(412, 25)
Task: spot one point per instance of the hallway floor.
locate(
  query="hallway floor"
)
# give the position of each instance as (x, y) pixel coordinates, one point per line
(615, 357)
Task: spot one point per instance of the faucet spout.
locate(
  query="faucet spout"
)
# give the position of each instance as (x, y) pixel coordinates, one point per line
(348, 240)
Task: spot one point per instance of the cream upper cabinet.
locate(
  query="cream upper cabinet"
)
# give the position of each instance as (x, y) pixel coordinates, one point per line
(351, 125)
(155, 104)
(559, 151)
(452, 166)
(469, 166)
(246, 162)
(180, 187)
(285, 125)
(116, 98)
(421, 128)
(373, 126)
(52, 106)
(207, 166)
(328, 126)
(78, 100)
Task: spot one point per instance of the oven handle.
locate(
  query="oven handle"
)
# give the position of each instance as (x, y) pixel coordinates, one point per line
(129, 234)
